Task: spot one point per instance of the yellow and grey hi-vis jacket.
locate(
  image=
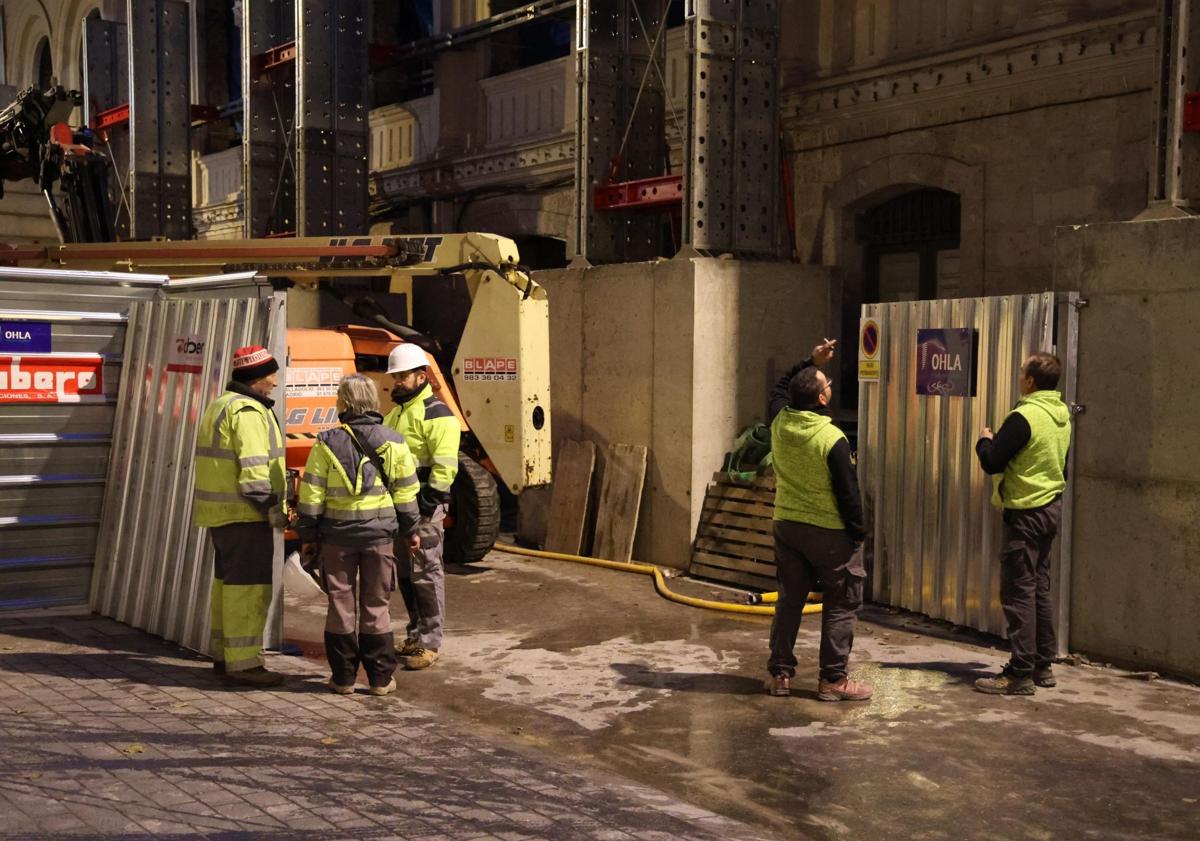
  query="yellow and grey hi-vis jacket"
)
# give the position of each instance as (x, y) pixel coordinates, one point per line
(343, 500)
(432, 433)
(240, 470)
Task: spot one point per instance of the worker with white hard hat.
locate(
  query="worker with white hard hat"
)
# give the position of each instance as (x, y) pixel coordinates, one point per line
(432, 432)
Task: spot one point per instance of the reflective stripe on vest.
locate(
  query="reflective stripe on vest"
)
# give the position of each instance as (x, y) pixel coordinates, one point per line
(223, 476)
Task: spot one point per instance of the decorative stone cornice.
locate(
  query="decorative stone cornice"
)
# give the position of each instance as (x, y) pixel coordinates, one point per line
(1110, 58)
(529, 163)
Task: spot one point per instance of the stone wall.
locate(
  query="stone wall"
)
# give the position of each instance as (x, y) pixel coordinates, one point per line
(676, 356)
(1136, 566)
(1048, 129)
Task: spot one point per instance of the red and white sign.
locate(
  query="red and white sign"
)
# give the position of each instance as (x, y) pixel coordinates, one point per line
(78, 378)
(490, 368)
(187, 354)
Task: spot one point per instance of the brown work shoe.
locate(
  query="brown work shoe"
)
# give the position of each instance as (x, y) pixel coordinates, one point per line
(421, 658)
(338, 688)
(384, 690)
(258, 676)
(1044, 677)
(781, 686)
(407, 647)
(844, 690)
(1006, 684)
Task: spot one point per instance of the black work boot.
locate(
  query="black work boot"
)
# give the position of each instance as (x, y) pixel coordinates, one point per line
(378, 658)
(342, 652)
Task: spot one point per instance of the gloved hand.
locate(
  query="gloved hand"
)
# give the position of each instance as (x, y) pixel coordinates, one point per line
(428, 500)
(310, 554)
(276, 518)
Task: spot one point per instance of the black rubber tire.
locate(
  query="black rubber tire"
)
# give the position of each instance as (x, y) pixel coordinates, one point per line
(475, 506)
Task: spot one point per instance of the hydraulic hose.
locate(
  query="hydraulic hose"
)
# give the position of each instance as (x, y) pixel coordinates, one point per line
(660, 582)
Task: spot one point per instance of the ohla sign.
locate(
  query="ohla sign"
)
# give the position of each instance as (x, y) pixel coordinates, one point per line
(946, 362)
(51, 379)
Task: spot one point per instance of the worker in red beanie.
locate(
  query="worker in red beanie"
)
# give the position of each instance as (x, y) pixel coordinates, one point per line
(240, 497)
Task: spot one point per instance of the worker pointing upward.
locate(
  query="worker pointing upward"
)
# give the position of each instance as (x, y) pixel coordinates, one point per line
(818, 531)
(432, 433)
(240, 498)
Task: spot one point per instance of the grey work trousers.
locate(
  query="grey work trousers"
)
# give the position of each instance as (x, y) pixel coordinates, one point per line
(359, 581)
(804, 555)
(423, 581)
(1025, 586)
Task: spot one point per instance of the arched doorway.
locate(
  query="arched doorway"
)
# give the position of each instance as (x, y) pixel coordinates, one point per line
(911, 247)
(43, 65)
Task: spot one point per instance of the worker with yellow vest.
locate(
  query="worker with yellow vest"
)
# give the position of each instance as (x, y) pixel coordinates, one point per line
(359, 493)
(1027, 459)
(241, 498)
(432, 433)
(818, 534)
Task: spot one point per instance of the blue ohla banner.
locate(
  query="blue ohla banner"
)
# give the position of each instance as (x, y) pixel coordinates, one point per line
(18, 337)
(946, 362)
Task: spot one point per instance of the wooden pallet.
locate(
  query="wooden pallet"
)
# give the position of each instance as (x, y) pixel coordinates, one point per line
(734, 541)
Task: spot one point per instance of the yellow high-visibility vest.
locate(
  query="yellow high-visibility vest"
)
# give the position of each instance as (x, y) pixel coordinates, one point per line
(240, 467)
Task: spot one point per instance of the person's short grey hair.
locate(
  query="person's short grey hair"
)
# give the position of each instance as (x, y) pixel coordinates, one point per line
(359, 394)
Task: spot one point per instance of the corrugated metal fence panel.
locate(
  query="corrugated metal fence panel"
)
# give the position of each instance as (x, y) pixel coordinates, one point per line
(936, 537)
(53, 456)
(153, 567)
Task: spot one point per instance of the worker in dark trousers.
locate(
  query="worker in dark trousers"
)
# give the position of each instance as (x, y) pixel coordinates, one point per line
(818, 535)
(358, 496)
(1027, 459)
(240, 497)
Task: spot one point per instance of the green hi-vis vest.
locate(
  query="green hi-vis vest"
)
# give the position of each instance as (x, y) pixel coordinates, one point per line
(328, 491)
(240, 463)
(432, 433)
(1036, 475)
(800, 445)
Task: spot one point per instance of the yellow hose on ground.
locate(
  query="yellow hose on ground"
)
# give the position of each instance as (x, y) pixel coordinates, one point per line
(660, 583)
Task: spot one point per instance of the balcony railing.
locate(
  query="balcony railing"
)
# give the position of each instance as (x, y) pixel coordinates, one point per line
(404, 134)
(530, 103)
(217, 178)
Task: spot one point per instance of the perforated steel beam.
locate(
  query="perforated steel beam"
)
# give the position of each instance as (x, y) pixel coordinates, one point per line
(732, 163)
(269, 119)
(1175, 153)
(106, 87)
(331, 117)
(160, 159)
(612, 62)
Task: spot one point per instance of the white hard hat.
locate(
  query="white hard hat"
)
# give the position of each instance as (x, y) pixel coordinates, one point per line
(406, 357)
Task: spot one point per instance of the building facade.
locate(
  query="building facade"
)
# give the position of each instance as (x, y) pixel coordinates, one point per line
(933, 146)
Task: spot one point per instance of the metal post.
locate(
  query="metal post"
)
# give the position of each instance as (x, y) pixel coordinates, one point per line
(731, 164)
(1175, 153)
(269, 118)
(160, 158)
(106, 86)
(620, 125)
(331, 117)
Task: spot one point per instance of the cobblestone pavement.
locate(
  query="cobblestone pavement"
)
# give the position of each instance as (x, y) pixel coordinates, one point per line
(108, 732)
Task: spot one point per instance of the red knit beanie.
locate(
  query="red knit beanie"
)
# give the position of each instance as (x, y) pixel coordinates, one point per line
(253, 363)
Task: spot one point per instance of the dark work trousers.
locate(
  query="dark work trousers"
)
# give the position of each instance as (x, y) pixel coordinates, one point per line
(805, 555)
(359, 581)
(1025, 586)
